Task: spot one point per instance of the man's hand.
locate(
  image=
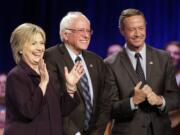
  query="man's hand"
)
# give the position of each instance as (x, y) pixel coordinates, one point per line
(152, 97)
(139, 95)
(73, 77)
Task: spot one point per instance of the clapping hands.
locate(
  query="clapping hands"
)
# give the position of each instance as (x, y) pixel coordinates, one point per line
(73, 77)
(44, 76)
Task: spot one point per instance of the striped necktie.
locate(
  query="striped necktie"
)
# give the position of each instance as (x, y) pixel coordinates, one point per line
(87, 98)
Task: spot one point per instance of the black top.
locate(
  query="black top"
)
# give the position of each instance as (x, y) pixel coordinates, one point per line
(27, 110)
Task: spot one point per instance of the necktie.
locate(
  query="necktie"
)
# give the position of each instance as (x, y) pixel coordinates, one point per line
(139, 69)
(87, 98)
(140, 73)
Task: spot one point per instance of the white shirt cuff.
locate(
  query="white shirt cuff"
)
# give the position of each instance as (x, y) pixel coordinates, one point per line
(133, 106)
(163, 104)
(78, 133)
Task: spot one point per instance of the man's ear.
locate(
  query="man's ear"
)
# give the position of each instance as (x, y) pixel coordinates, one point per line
(121, 31)
(64, 35)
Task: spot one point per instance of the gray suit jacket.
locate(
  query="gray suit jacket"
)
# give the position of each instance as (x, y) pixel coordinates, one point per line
(122, 79)
(57, 58)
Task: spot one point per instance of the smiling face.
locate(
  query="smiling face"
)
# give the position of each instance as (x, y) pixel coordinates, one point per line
(134, 32)
(33, 50)
(78, 34)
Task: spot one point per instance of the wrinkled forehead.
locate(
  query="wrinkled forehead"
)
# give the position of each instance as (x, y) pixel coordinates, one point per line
(134, 19)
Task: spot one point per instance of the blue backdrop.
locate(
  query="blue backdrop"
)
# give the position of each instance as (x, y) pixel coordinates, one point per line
(163, 21)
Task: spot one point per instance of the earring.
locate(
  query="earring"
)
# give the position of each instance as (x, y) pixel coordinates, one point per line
(20, 52)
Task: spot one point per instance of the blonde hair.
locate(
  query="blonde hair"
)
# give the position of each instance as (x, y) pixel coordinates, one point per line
(21, 35)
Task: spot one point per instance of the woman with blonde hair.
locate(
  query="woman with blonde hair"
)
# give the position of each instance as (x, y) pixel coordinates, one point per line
(33, 105)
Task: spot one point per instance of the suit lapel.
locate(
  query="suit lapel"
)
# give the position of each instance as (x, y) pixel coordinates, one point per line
(150, 65)
(67, 59)
(128, 66)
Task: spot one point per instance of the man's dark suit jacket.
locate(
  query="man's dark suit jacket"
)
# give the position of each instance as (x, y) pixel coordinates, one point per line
(57, 58)
(160, 77)
(28, 112)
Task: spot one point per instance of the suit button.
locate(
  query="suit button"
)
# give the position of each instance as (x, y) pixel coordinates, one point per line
(143, 126)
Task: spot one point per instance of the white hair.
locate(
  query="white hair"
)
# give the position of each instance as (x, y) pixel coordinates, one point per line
(67, 21)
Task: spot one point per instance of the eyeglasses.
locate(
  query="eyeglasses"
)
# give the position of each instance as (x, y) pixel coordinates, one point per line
(81, 31)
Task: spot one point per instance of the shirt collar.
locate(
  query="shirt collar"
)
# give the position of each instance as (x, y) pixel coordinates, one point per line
(132, 53)
(72, 54)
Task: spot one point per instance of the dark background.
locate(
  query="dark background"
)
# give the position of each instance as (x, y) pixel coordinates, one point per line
(163, 21)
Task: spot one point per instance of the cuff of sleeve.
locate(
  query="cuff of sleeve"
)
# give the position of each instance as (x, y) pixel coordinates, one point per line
(162, 107)
(78, 133)
(133, 106)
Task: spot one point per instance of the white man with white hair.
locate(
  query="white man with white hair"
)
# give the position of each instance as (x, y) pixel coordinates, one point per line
(92, 114)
